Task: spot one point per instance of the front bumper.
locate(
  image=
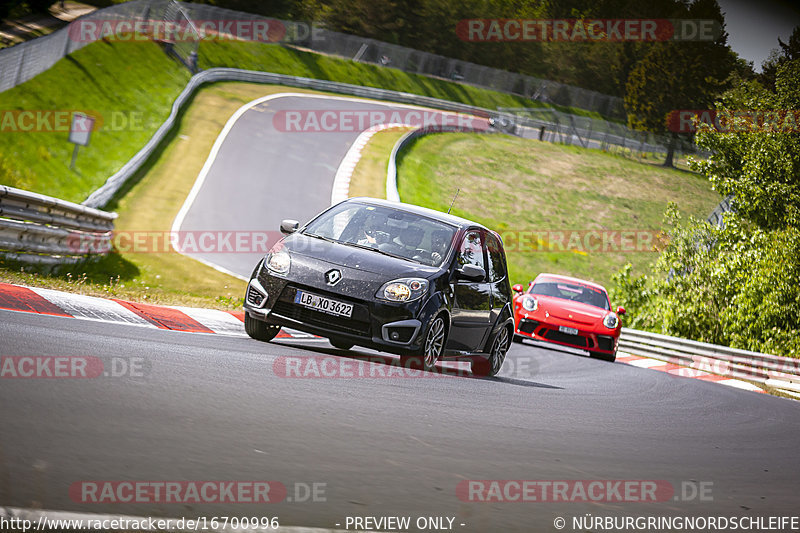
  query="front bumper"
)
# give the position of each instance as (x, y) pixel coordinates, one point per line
(392, 327)
(526, 325)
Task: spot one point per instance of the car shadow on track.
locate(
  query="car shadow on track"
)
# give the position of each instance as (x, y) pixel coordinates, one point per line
(396, 369)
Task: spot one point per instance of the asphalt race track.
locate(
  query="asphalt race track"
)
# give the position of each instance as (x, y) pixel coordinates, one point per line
(215, 407)
(212, 408)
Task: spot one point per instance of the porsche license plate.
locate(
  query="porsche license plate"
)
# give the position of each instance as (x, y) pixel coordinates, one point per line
(321, 303)
(568, 331)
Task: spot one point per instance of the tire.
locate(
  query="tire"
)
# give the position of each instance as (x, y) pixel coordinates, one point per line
(341, 344)
(259, 330)
(610, 357)
(497, 356)
(432, 347)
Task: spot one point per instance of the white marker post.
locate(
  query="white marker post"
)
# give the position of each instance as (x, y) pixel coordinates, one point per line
(79, 132)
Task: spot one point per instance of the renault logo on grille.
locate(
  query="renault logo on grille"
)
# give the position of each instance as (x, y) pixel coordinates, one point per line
(332, 277)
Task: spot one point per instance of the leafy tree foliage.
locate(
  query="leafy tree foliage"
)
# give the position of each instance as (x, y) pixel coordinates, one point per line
(738, 285)
(787, 52)
(758, 164)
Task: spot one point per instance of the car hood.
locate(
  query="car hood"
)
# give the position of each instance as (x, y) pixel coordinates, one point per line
(574, 311)
(355, 258)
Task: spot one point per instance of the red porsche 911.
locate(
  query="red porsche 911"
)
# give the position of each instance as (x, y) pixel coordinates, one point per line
(570, 312)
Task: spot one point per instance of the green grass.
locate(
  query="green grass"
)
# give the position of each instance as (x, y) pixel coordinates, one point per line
(107, 79)
(512, 185)
(283, 60)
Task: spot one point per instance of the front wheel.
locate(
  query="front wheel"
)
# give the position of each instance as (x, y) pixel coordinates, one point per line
(432, 347)
(260, 330)
(497, 355)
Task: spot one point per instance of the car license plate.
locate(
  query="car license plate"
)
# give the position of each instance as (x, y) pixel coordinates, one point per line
(569, 331)
(326, 305)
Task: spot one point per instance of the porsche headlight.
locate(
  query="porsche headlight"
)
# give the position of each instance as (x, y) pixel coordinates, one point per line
(279, 262)
(611, 321)
(529, 303)
(403, 290)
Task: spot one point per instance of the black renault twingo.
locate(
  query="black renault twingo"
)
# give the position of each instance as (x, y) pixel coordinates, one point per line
(390, 276)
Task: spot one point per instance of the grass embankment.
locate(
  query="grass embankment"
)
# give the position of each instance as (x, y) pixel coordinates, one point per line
(533, 190)
(282, 60)
(114, 81)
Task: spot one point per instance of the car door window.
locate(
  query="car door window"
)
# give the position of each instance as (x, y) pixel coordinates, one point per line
(497, 267)
(471, 250)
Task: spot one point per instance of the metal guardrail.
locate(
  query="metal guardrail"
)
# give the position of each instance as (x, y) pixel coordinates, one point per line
(771, 370)
(717, 216)
(21, 62)
(39, 229)
(548, 124)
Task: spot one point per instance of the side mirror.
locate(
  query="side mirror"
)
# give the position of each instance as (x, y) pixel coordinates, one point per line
(517, 288)
(471, 272)
(289, 226)
(620, 310)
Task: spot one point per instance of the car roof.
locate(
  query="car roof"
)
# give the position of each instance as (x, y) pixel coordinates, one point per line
(423, 211)
(561, 277)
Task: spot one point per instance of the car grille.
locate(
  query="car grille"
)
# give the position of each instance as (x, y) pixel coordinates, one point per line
(555, 335)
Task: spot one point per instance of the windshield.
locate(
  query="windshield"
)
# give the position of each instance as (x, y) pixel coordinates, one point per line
(572, 291)
(387, 230)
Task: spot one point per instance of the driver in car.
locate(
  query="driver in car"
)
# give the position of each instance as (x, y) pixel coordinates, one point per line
(374, 230)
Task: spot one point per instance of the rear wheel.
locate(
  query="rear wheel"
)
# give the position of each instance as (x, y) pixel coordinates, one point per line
(259, 330)
(497, 355)
(341, 344)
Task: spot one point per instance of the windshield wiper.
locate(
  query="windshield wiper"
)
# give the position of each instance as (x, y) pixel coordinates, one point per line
(321, 237)
(389, 254)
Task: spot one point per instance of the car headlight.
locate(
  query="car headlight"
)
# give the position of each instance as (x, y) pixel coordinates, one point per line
(403, 290)
(279, 262)
(529, 303)
(611, 321)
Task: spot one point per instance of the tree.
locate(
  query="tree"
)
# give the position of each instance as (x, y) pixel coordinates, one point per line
(676, 75)
(787, 52)
(738, 285)
(758, 162)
